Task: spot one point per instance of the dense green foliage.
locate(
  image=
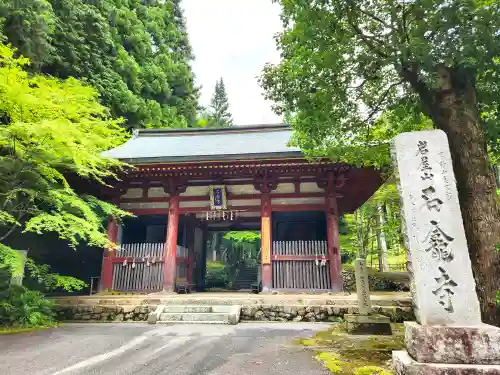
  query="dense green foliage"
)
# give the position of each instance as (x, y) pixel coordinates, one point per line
(217, 275)
(135, 53)
(20, 306)
(243, 236)
(364, 227)
(51, 129)
(344, 63)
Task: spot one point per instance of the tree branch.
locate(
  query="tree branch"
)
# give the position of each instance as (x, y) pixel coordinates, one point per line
(382, 99)
(404, 13)
(409, 74)
(9, 232)
(373, 17)
(369, 40)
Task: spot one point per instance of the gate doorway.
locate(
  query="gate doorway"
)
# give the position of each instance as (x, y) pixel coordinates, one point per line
(233, 260)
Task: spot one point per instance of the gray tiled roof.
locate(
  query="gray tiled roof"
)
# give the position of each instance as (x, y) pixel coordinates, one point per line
(166, 145)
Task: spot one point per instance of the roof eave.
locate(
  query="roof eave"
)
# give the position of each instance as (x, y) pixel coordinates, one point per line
(213, 158)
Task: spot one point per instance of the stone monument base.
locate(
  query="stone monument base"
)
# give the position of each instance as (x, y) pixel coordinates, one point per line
(449, 349)
(406, 365)
(372, 324)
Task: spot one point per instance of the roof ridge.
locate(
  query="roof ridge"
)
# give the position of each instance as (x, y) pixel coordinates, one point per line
(195, 131)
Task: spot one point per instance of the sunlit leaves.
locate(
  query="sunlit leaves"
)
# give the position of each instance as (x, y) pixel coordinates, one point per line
(53, 128)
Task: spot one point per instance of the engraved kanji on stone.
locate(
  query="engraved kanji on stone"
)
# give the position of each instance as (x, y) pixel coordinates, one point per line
(433, 202)
(444, 290)
(439, 243)
(426, 175)
(422, 148)
(424, 164)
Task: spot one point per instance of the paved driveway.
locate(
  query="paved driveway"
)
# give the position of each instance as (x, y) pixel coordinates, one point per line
(137, 349)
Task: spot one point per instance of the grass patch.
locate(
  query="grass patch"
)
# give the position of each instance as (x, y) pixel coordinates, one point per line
(330, 361)
(345, 354)
(217, 265)
(14, 330)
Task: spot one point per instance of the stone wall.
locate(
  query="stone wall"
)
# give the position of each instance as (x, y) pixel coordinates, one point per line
(103, 313)
(248, 313)
(317, 313)
(379, 281)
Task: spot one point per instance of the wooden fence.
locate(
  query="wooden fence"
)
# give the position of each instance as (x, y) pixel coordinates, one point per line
(139, 267)
(301, 265)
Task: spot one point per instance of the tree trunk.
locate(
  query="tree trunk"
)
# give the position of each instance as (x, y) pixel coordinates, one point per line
(215, 245)
(381, 242)
(453, 108)
(395, 243)
(496, 170)
(359, 233)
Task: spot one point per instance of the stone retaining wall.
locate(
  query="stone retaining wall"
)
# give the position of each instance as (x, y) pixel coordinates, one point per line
(248, 313)
(380, 281)
(103, 313)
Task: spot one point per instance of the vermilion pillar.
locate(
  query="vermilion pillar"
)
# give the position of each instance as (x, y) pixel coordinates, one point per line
(332, 225)
(107, 261)
(266, 242)
(190, 242)
(169, 253)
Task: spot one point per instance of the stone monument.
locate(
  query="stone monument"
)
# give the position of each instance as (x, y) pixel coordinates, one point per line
(365, 322)
(448, 336)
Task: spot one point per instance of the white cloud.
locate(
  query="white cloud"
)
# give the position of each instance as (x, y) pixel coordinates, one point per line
(233, 39)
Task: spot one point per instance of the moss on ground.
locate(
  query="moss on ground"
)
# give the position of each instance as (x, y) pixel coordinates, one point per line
(345, 354)
(13, 330)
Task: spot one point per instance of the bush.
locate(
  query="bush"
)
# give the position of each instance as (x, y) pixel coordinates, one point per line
(217, 278)
(22, 307)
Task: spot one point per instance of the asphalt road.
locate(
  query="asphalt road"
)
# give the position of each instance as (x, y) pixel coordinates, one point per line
(139, 349)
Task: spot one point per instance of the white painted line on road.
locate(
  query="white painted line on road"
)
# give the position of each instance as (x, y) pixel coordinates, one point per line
(103, 357)
(174, 341)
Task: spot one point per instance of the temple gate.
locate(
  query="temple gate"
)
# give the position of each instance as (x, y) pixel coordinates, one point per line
(189, 181)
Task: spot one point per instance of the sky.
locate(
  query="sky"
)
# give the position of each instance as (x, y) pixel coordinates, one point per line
(233, 39)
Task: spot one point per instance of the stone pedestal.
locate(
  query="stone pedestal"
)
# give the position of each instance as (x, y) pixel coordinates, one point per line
(406, 365)
(373, 324)
(444, 349)
(453, 344)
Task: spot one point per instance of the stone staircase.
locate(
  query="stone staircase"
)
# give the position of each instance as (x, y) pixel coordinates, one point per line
(216, 314)
(246, 278)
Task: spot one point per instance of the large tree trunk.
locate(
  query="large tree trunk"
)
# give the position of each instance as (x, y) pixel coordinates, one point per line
(496, 170)
(453, 109)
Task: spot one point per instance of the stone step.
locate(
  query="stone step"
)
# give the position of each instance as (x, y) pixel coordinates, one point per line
(227, 314)
(178, 309)
(193, 317)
